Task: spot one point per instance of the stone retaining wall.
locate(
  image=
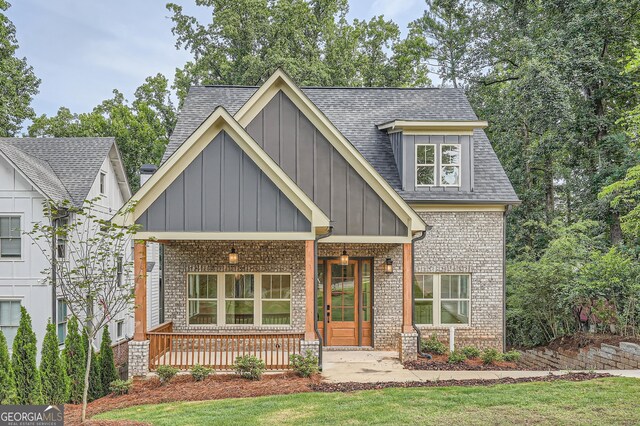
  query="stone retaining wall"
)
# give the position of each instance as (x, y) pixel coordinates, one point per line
(625, 356)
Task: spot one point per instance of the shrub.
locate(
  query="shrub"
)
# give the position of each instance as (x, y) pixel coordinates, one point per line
(108, 372)
(75, 361)
(305, 365)
(511, 356)
(433, 346)
(55, 386)
(166, 373)
(120, 387)
(23, 362)
(490, 355)
(7, 383)
(199, 373)
(457, 357)
(249, 367)
(471, 352)
(95, 378)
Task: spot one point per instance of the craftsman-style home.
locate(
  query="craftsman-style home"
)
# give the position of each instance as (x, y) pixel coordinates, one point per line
(296, 219)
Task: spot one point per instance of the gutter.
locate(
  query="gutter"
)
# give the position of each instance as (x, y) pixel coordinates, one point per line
(315, 292)
(413, 302)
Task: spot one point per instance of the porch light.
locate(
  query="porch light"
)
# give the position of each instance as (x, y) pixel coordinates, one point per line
(388, 266)
(344, 259)
(233, 257)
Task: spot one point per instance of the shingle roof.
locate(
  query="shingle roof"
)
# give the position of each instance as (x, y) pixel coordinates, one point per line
(63, 168)
(355, 112)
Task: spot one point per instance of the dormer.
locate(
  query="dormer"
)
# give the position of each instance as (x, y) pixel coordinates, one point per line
(433, 155)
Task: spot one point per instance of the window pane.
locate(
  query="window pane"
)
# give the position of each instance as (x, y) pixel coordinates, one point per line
(203, 287)
(425, 154)
(15, 227)
(239, 286)
(203, 312)
(464, 286)
(5, 226)
(423, 312)
(423, 287)
(454, 312)
(276, 287)
(239, 311)
(451, 154)
(426, 175)
(277, 312)
(450, 175)
(10, 247)
(9, 313)
(62, 332)
(9, 334)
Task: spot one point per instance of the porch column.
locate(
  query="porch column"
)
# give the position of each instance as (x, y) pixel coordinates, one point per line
(140, 277)
(309, 283)
(407, 272)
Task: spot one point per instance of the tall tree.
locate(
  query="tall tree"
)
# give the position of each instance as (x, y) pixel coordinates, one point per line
(55, 384)
(7, 382)
(107, 365)
(18, 81)
(23, 363)
(74, 355)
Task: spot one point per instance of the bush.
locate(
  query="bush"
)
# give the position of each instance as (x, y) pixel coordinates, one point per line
(108, 373)
(74, 361)
(55, 386)
(433, 346)
(166, 373)
(490, 355)
(120, 387)
(457, 357)
(305, 365)
(249, 367)
(199, 373)
(23, 362)
(7, 383)
(471, 352)
(511, 356)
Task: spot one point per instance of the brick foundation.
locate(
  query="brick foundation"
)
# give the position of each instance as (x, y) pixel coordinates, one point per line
(310, 345)
(626, 356)
(408, 347)
(138, 358)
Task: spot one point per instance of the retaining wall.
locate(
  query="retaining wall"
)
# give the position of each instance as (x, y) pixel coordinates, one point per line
(625, 356)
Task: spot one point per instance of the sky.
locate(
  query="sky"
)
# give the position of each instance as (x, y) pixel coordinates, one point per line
(83, 49)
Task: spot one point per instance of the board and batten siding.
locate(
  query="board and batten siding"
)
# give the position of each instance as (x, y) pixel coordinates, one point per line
(301, 150)
(223, 190)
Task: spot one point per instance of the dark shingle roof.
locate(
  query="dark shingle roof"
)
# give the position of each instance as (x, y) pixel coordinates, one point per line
(63, 168)
(355, 112)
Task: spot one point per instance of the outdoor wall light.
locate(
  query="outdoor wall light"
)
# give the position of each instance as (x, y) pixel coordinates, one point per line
(388, 266)
(233, 257)
(344, 259)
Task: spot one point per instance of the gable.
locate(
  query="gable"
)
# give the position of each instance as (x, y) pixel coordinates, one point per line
(223, 190)
(321, 171)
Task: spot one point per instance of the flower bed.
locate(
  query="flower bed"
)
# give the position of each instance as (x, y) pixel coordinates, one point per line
(441, 362)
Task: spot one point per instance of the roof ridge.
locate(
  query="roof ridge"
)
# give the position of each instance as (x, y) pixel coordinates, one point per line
(232, 86)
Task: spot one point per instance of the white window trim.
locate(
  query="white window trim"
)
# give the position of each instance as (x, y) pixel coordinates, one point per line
(58, 322)
(102, 183)
(257, 301)
(458, 165)
(22, 239)
(434, 165)
(124, 332)
(437, 299)
(18, 299)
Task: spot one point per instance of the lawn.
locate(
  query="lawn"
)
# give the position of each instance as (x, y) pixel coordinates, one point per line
(601, 401)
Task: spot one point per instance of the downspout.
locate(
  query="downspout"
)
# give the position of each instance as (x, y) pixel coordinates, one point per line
(504, 277)
(413, 302)
(315, 292)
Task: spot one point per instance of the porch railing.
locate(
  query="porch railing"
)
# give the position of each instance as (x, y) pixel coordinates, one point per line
(219, 351)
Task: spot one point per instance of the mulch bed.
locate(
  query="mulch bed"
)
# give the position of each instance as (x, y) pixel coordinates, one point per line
(183, 388)
(440, 362)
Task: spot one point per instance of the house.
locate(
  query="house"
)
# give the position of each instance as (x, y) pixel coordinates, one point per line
(296, 219)
(33, 170)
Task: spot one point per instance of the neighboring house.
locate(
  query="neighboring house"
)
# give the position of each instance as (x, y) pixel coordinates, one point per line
(33, 170)
(297, 219)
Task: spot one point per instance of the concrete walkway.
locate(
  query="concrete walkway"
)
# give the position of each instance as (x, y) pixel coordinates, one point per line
(384, 366)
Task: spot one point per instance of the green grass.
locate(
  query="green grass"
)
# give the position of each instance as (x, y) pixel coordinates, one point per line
(602, 401)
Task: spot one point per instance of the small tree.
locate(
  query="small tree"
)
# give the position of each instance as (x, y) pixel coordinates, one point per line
(107, 365)
(94, 277)
(7, 383)
(55, 385)
(23, 362)
(95, 380)
(74, 360)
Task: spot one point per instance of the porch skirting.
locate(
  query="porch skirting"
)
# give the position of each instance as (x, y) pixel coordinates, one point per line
(138, 358)
(312, 346)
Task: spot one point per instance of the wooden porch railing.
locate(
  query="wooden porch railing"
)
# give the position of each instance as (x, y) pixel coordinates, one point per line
(219, 351)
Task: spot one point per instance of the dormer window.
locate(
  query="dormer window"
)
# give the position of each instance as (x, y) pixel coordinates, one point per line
(438, 165)
(450, 165)
(425, 165)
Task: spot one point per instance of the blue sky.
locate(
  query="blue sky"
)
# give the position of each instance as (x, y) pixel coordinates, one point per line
(83, 49)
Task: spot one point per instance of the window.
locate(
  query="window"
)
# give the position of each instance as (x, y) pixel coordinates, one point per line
(9, 319)
(10, 237)
(119, 271)
(61, 242)
(450, 165)
(103, 183)
(425, 165)
(120, 329)
(239, 299)
(61, 313)
(441, 299)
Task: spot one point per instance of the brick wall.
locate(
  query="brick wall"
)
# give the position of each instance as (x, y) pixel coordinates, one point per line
(468, 242)
(625, 356)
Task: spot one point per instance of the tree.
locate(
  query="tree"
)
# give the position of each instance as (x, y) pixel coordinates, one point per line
(7, 382)
(23, 363)
(74, 355)
(107, 365)
(17, 79)
(55, 384)
(95, 279)
(95, 383)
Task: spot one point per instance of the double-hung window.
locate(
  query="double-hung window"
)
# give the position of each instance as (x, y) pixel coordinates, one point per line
(61, 321)
(276, 299)
(450, 165)
(239, 291)
(438, 165)
(9, 319)
(442, 299)
(203, 299)
(10, 237)
(425, 165)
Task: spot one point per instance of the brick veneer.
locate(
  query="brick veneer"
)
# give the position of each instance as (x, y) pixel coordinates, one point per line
(625, 356)
(468, 242)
